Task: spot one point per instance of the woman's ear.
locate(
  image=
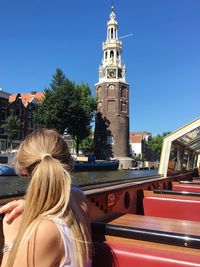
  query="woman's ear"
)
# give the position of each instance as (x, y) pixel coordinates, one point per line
(24, 171)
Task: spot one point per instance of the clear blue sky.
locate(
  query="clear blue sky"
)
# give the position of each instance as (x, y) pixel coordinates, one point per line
(162, 57)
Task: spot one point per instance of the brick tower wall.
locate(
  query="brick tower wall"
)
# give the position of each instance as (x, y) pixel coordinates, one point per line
(112, 119)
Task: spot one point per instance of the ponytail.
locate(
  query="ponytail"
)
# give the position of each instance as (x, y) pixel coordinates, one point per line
(45, 156)
(50, 188)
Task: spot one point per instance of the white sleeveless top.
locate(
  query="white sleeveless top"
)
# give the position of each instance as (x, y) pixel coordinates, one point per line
(67, 238)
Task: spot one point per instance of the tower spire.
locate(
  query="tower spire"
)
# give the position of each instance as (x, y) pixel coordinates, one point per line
(112, 14)
(112, 6)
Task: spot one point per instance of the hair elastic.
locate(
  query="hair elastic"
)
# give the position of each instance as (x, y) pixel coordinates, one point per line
(46, 155)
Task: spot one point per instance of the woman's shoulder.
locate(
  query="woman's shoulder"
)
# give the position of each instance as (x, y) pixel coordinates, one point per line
(46, 238)
(40, 247)
(47, 230)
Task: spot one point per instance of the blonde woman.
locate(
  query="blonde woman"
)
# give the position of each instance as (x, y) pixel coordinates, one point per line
(53, 230)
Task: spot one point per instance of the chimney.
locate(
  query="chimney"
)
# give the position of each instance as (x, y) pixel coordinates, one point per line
(33, 92)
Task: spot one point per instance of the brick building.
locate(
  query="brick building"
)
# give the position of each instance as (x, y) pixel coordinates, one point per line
(4, 111)
(22, 105)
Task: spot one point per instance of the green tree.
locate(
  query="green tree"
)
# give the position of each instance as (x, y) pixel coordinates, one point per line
(82, 108)
(53, 112)
(67, 107)
(155, 144)
(11, 127)
(87, 144)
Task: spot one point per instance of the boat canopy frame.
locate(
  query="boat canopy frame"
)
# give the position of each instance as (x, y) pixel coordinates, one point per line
(186, 141)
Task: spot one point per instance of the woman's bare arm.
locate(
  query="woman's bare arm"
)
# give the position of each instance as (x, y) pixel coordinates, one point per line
(45, 248)
(10, 232)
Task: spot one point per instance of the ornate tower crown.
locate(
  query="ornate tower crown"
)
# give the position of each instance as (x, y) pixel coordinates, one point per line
(112, 17)
(112, 14)
(112, 67)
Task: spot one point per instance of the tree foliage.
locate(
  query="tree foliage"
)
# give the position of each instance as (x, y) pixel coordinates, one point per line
(155, 144)
(87, 144)
(53, 111)
(82, 109)
(11, 127)
(67, 107)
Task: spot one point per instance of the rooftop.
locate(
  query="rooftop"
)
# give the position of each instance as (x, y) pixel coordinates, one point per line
(28, 97)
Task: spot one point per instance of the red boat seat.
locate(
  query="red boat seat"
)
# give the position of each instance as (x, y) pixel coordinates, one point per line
(129, 255)
(185, 187)
(183, 209)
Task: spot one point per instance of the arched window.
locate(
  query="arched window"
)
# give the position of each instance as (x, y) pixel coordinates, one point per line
(108, 33)
(117, 54)
(123, 92)
(111, 54)
(106, 55)
(111, 33)
(99, 93)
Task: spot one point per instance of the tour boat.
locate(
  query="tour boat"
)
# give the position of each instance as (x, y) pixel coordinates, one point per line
(100, 165)
(150, 222)
(6, 170)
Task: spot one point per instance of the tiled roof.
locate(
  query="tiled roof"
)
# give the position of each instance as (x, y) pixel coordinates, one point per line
(135, 138)
(139, 133)
(27, 97)
(12, 98)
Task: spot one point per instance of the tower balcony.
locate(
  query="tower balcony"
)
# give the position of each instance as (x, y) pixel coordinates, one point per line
(112, 44)
(112, 62)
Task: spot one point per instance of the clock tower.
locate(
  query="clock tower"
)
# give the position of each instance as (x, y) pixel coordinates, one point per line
(112, 91)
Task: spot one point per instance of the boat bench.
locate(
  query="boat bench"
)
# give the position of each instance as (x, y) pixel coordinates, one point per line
(117, 245)
(186, 186)
(130, 256)
(169, 207)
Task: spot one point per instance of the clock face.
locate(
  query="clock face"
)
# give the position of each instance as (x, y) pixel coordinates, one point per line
(111, 87)
(111, 73)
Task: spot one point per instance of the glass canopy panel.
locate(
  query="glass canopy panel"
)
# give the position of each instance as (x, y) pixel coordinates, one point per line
(190, 136)
(195, 146)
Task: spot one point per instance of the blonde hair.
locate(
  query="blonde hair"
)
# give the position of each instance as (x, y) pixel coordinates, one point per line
(45, 156)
